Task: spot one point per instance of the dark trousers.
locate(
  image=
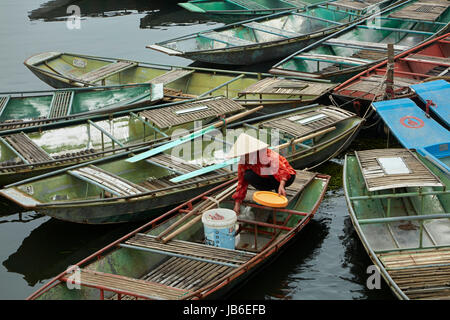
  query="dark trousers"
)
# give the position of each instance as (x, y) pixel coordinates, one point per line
(265, 184)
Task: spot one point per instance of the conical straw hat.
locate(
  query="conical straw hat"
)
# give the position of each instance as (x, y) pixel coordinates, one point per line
(245, 144)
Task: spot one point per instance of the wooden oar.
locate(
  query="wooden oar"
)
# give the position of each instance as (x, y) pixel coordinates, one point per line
(236, 160)
(221, 196)
(191, 136)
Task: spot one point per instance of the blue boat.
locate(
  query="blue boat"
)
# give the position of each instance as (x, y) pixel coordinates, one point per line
(415, 129)
(436, 92)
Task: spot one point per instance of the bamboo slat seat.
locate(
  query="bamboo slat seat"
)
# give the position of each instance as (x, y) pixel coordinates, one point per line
(191, 249)
(3, 102)
(423, 58)
(229, 40)
(421, 11)
(171, 76)
(186, 274)
(376, 178)
(61, 104)
(423, 274)
(26, 147)
(115, 184)
(106, 71)
(309, 122)
(125, 285)
(190, 112)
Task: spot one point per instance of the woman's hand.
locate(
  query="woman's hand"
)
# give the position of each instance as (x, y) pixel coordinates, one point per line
(281, 190)
(237, 207)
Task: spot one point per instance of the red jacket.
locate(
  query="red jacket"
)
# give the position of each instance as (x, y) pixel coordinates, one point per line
(273, 162)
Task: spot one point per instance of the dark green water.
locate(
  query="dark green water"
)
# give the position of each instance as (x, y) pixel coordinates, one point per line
(326, 261)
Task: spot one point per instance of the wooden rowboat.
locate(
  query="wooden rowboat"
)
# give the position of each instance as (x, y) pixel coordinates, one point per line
(399, 204)
(35, 109)
(240, 9)
(364, 43)
(191, 269)
(113, 189)
(270, 37)
(27, 154)
(425, 62)
(65, 70)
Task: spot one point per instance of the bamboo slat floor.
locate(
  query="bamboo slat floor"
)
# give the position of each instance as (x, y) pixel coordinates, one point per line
(27, 148)
(378, 178)
(309, 122)
(171, 76)
(180, 114)
(61, 104)
(421, 274)
(106, 71)
(426, 11)
(124, 285)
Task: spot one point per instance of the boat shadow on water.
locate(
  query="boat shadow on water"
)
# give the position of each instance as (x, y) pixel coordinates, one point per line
(55, 245)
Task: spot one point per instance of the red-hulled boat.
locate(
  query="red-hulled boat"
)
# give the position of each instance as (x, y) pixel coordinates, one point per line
(428, 61)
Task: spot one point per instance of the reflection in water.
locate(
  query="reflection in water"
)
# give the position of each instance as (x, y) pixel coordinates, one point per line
(357, 259)
(276, 280)
(54, 245)
(158, 12)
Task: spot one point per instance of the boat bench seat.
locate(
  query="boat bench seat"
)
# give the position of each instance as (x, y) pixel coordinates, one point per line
(363, 44)
(423, 58)
(229, 40)
(61, 104)
(171, 76)
(127, 286)
(333, 59)
(106, 71)
(281, 33)
(420, 274)
(107, 181)
(190, 250)
(297, 3)
(25, 148)
(3, 102)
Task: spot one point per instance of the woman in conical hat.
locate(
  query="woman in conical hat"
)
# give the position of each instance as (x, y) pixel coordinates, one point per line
(259, 166)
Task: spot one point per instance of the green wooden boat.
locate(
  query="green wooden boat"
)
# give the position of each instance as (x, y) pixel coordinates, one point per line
(64, 70)
(306, 137)
(270, 37)
(34, 109)
(27, 154)
(238, 9)
(135, 266)
(363, 44)
(399, 204)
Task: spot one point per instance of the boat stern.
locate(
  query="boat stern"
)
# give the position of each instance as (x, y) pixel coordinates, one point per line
(19, 197)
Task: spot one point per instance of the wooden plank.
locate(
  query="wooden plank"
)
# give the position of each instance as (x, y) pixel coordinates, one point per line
(272, 30)
(27, 148)
(3, 102)
(61, 104)
(106, 71)
(363, 44)
(171, 76)
(421, 11)
(377, 179)
(127, 285)
(190, 112)
(326, 58)
(444, 61)
(249, 4)
(223, 38)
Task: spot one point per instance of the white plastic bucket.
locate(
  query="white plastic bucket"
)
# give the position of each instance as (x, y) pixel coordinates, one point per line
(219, 226)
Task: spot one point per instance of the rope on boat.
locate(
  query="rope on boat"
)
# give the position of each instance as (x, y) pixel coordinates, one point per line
(366, 115)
